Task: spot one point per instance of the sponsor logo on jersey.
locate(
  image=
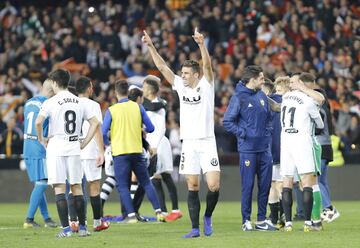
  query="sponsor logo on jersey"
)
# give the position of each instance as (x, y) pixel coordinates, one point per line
(192, 100)
(247, 163)
(214, 162)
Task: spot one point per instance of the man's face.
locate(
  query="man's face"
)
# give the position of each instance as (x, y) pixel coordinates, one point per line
(259, 81)
(188, 75)
(281, 89)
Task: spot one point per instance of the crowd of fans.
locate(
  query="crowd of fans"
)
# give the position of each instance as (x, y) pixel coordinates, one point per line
(283, 36)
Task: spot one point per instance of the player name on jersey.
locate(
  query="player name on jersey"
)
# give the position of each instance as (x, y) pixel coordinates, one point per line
(68, 100)
(295, 98)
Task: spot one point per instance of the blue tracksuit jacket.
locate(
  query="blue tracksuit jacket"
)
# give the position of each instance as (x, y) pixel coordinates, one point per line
(249, 117)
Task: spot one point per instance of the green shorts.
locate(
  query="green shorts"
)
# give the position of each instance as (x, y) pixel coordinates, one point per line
(317, 156)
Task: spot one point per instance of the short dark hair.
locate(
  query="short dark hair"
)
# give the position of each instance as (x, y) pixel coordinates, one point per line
(251, 71)
(307, 77)
(154, 85)
(134, 94)
(121, 87)
(82, 84)
(60, 77)
(270, 85)
(192, 64)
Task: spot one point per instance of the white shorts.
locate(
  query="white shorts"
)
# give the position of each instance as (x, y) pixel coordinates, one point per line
(197, 155)
(90, 170)
(276, 176)
(296, 155)
(164, 157)
(62, 168)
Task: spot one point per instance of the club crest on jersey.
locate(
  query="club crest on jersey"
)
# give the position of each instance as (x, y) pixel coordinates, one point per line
(214, 162)
(247, 163)
(262, 102)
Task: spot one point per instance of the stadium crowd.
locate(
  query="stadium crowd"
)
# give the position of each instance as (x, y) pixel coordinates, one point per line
(104, 41)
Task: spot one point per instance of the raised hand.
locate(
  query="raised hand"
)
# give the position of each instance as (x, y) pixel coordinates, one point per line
(146, 39)
(198, 37)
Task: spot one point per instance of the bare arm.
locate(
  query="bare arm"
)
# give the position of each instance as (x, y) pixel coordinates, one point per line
(275, 106)
(39, 129)
(317, 96)
(99, 141)
(158, 60)
(207, 69)
(94, 123)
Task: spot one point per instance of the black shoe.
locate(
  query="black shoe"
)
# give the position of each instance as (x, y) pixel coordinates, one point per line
(141, 218)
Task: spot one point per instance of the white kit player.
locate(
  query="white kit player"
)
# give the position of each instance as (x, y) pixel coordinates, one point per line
(299, 117)
(160, 146)
(92, 156)
(66, 115)
(196, 96)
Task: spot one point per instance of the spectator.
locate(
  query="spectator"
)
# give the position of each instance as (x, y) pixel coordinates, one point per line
(11, 139)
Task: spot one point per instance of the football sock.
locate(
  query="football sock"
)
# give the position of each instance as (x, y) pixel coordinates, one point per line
(160, 193)
(71, 206)
(107, 188)
(138, 198)
(62, 208)
(287, 203)
(36, 196)
(96, 206)
(211, 201)
(308, 202)
(44, 207)
(133, 188)
(194, 207)
(80, 208)
(281, 209)
(316, 210)
(169, 181)
(274, 212)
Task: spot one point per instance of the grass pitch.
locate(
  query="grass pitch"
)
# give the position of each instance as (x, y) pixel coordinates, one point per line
(343, 232)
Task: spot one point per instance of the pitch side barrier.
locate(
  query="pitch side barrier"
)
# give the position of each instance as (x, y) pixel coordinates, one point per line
(343, 181)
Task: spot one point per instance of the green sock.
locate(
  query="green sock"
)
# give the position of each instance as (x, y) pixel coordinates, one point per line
(316, 210)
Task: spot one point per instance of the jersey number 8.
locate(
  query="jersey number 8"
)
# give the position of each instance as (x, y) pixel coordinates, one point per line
(70, 121)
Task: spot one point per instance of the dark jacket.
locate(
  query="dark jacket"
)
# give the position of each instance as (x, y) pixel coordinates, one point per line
(249, 117)
(276, 134)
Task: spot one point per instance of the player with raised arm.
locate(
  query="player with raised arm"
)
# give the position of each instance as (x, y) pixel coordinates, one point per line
(196, 94)
(66, 115)
(34, 157)
(92, 156)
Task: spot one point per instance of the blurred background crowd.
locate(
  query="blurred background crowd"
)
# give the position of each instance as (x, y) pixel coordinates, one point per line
(102, 39)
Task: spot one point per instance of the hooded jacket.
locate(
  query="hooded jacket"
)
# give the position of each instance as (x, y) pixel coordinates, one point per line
(249, 118)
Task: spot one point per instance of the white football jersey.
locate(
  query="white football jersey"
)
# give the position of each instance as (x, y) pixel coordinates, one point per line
(91, 150)
(66, 115)
(196, 109)
(158, 120)
(299, 114)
